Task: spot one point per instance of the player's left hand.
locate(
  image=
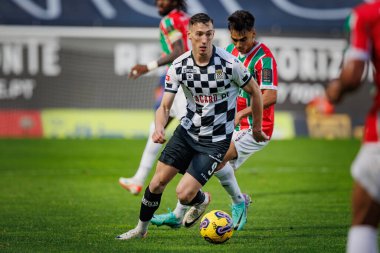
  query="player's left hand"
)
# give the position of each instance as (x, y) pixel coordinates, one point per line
(137, 71)
(259, 135)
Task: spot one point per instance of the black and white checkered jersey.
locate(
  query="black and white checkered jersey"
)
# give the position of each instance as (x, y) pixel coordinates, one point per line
(210, 91)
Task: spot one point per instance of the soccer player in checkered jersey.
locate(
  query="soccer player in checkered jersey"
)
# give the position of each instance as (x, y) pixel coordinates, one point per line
(173, 38)
(211, 78)
(258, 59)
(364, 46)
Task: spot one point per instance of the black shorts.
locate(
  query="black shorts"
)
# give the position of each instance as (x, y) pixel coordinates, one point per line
(182, 150)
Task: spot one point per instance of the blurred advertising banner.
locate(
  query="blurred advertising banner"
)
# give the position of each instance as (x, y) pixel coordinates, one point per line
(16, 123)
(53, 67)
(112, 123)
(88, 68)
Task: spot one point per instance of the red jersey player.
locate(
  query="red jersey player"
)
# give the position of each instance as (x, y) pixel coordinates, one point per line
(174, 42)
(173, 35)
(364, 45)
(259, 61)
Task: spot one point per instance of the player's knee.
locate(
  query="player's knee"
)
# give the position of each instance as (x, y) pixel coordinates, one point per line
(157, 185)
(365, 209)
(365, 217)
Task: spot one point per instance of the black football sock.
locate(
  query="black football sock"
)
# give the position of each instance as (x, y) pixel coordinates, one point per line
(149, 204)
(198, 199)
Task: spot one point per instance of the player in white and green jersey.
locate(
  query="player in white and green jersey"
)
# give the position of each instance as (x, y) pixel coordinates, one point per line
(260, 62)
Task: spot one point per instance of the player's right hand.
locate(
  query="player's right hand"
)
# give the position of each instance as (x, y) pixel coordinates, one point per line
(259, 135)
(334, 91)
(159, 135)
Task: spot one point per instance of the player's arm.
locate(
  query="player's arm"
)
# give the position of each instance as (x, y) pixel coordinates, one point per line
(269, 98)
(355, 59)
(257, 110)
(162, 117)
(349, 80)
(162, 114)
(138, 70)
(178, 49)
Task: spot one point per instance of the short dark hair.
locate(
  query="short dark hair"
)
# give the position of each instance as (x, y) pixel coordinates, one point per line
(201, 18)
(241, 21)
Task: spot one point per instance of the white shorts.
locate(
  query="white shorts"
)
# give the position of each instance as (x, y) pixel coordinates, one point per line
(245, 146)
(178, 109)
(366, 169)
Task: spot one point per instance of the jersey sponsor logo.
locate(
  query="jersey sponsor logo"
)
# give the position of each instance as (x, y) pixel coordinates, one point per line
(167, 78)
(186, 123)
(267, 76)
(219, 76)
(225, 95)
(206, 99)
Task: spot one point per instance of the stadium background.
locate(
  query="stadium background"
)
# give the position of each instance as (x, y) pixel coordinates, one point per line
(64, 65)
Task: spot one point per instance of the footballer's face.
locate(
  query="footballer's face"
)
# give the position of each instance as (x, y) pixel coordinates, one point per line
(201, 36)
(165, 6)
(243, 40)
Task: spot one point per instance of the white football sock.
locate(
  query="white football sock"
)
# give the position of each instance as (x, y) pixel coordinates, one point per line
(148, 158)
(180, 210)
(142, 226)
(228, 180)
(362, 239)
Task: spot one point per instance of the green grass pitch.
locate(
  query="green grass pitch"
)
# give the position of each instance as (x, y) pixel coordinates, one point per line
(64, 196)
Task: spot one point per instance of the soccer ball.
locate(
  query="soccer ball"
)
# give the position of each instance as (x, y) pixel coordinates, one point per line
(216, 226)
